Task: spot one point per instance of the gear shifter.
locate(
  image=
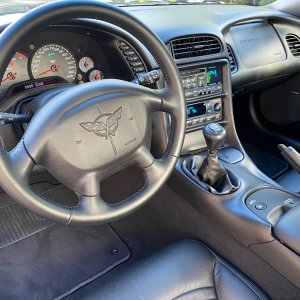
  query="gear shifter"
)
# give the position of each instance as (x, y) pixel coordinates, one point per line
(209, 173)
(215, 136)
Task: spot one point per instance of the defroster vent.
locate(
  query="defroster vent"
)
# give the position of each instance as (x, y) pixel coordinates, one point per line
(232, 60)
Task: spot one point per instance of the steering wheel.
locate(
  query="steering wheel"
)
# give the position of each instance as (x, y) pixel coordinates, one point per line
(91, 131)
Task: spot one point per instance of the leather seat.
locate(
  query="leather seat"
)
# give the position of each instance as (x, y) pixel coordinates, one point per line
(185, 270)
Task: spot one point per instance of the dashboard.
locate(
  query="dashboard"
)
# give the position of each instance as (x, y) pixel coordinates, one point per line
(83, 54)
(220, 50)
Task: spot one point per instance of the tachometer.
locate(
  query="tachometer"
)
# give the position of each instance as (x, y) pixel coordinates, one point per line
(16, 71)
(54, 60)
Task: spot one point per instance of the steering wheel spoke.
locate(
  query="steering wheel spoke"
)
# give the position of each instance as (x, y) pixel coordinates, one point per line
(89, 206)
(169, 101)
(152, 168)
(143, 158)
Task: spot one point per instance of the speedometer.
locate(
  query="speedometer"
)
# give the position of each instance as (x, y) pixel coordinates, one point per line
(54, 60)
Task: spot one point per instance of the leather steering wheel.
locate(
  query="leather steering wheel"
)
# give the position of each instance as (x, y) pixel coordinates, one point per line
(91, 131)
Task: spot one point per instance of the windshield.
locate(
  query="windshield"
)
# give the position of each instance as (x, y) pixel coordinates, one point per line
(20, 6)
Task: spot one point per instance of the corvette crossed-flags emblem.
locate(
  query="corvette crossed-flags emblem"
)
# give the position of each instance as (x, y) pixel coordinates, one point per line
(105, 125)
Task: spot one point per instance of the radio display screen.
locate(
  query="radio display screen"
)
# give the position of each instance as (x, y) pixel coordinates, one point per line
(195, 110)
(213, 75)
(201, 81)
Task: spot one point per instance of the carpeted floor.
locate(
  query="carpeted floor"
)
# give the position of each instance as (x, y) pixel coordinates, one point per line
(44, 260)
(269, 164)
(54, 260)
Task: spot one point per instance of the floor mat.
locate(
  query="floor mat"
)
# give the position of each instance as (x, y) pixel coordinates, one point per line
(17, 223)
(271, 165)
(58, 260)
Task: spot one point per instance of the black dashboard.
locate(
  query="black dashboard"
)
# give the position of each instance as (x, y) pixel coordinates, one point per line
(247, 35)
(220, 50)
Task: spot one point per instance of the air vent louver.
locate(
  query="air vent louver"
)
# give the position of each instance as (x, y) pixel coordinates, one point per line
(232, 60)
(195, 46)
(293, 42)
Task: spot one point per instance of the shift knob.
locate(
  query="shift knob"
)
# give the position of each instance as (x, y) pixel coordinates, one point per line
(215, 136)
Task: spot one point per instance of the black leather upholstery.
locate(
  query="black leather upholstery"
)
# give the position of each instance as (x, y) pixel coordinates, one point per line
(186, 270)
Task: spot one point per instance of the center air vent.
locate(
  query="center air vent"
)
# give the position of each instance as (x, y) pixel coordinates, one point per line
(232, 60)
(195, 46)
(293, 42)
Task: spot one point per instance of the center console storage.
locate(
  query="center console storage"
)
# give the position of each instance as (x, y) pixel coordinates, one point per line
(282, 210)
(271, 204)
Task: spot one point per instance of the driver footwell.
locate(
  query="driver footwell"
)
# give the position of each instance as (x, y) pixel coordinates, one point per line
(43, 260)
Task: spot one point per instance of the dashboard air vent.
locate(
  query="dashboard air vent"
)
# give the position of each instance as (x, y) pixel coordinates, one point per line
(232, 60)
(195, 46)
(293, 42)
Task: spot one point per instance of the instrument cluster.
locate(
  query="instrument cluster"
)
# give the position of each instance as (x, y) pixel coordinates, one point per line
(48, 64)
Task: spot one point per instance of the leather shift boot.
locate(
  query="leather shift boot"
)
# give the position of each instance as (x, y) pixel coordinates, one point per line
(211, 171)
(211, 175)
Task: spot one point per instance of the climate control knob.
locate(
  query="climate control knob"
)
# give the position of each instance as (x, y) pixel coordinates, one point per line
(217, 106)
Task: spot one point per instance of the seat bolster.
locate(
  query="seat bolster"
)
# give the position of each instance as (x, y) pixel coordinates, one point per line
(171, 273)
(186, 270)
(230, 284)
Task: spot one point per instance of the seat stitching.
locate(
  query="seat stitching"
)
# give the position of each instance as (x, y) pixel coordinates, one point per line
(215, 284)
(193, 290)
(248, 283)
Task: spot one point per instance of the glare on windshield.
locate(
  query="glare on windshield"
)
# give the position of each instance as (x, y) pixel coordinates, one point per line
(19, 6)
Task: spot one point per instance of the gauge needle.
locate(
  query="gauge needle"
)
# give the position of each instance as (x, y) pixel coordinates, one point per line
(10, 76)
(52, 69)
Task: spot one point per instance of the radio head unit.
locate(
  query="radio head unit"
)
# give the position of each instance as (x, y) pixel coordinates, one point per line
(200, 81)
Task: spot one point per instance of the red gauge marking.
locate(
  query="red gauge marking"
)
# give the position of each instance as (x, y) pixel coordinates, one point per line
(21, 54)
(10, 76)
(53, 68)
(86, 64)
(11, 64)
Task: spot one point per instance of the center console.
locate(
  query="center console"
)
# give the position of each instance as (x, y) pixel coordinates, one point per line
(225, 185)
(203, 88)
(207, 92)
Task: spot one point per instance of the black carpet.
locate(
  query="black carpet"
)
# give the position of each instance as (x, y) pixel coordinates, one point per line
(56, 260)
(17, 223)
(269, 164)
